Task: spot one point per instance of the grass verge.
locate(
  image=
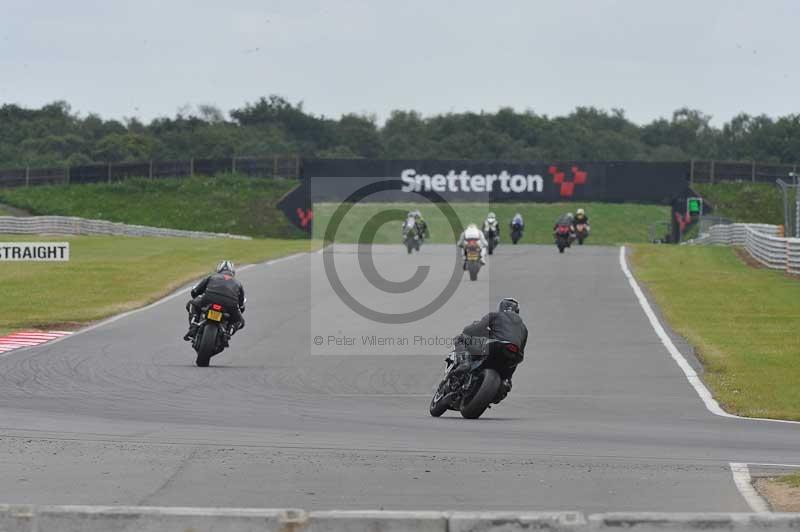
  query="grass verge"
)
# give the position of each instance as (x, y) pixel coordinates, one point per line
(745, 202)
(109, 275)
(222, 204)
(741, 320)
(611, 223)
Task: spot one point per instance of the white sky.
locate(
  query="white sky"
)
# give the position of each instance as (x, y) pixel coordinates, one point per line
(148, 58)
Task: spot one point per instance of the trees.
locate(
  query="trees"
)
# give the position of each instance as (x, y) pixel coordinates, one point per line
(272, 125)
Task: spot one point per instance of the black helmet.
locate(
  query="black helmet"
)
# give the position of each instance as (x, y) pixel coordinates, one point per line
(508, 304)
(226, 266)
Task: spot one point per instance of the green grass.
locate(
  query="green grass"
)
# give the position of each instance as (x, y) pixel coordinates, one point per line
(108, 275)
(225, 204)
(741, 320)
(611, 223)
(792, 480)
(745, 202)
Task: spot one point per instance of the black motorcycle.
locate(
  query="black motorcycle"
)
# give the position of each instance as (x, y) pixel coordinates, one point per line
(214, 331)
(516, 233)
(472, 382)
(493, 240)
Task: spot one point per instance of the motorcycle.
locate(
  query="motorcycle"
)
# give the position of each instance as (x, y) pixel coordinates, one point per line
(214, 331)
(563, 237)
(581, 232)
(516, 233)
(411, 237)
(472, 258)
(493, 240)
(472, 383)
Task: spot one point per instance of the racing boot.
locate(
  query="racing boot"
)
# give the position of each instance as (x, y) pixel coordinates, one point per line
(189, 336)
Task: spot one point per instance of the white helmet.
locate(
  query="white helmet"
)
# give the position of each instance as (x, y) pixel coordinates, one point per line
(580, 211)
(570, 215)
(491, 216)
(472, 226)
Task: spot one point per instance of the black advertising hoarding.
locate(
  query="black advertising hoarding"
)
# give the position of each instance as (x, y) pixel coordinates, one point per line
(333, 180)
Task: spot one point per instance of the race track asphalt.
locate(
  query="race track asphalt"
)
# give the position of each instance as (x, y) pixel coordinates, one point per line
(600, 417)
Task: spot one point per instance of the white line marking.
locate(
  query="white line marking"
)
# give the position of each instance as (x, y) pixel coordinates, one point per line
(691, 375)
(741, 477)
(179, 292)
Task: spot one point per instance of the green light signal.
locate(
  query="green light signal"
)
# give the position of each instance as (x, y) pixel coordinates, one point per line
(694, 206)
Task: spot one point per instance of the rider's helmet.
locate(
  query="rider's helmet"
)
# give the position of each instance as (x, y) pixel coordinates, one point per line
(570, 215)
(508, 304)
(491, 217)
(580, 211)
(472, 226)
(227, 267)
(417, 214)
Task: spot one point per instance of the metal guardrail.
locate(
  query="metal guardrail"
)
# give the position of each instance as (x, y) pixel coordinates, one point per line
(69, 225)
(761, 241)
(288, 167)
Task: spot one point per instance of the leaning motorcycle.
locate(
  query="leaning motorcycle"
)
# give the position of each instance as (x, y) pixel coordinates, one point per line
(581, 232)
(563, 237)
(516, 233)
(472, 258)
(214, 330)
(472, 382)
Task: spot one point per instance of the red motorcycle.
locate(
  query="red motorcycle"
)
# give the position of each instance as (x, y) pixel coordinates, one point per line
(563, 237)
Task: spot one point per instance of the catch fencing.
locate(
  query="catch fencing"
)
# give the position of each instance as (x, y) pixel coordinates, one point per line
(68, 225)
(762, 241)
(267, 167)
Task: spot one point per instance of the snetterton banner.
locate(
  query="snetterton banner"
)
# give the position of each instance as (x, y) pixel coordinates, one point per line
(333, 180)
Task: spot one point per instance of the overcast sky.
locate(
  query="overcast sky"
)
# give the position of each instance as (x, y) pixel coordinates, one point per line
(147, 58)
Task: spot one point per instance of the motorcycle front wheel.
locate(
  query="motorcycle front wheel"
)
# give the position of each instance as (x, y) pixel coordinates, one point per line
(485, 391)
(438, 404)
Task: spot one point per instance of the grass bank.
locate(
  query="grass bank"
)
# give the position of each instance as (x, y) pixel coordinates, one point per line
(742, 321)
(611, 223)
(109, 275)
(745, 202)
(223, 204)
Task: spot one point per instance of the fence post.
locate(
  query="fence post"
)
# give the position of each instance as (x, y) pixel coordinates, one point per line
(150, 174)
(297, 167)
(27, 176)
(67, 174)
(691, 172)
(754, 171)
(711, 172)
(274, 167)
(233, 165)
(109, 172)
(191, 167)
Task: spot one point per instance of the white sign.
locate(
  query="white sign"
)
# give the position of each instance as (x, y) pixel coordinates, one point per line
(36, 251)
(466, 182)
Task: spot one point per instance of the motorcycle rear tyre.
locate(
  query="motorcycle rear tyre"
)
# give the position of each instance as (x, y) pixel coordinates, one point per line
(479, 402)
(207, 344)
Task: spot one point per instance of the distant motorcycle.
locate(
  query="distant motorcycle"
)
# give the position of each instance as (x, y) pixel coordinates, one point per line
(581, 232)
(493, 240)
(411, 237)
(516, 233)
(471, 382)
(563, 237)
(214, 331)
(472, 258)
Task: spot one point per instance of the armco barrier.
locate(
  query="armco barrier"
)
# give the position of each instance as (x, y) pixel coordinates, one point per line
(68, 225)
(29, 518)
(760, 241)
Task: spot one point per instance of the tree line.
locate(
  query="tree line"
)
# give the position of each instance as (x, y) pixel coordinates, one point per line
(54, 135)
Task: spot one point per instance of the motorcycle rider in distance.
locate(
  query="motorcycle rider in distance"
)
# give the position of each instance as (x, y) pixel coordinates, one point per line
(422, 225)
(222, 288)
(517, 221)
(473, 233)
(581, 218)
(491, 225)
(504, 325)
(565, 219)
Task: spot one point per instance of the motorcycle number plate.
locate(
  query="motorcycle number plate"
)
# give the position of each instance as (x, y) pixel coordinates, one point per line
(214, 315)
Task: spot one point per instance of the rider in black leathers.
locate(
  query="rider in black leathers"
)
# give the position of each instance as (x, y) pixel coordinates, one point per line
(222, 288)
(504, 325)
